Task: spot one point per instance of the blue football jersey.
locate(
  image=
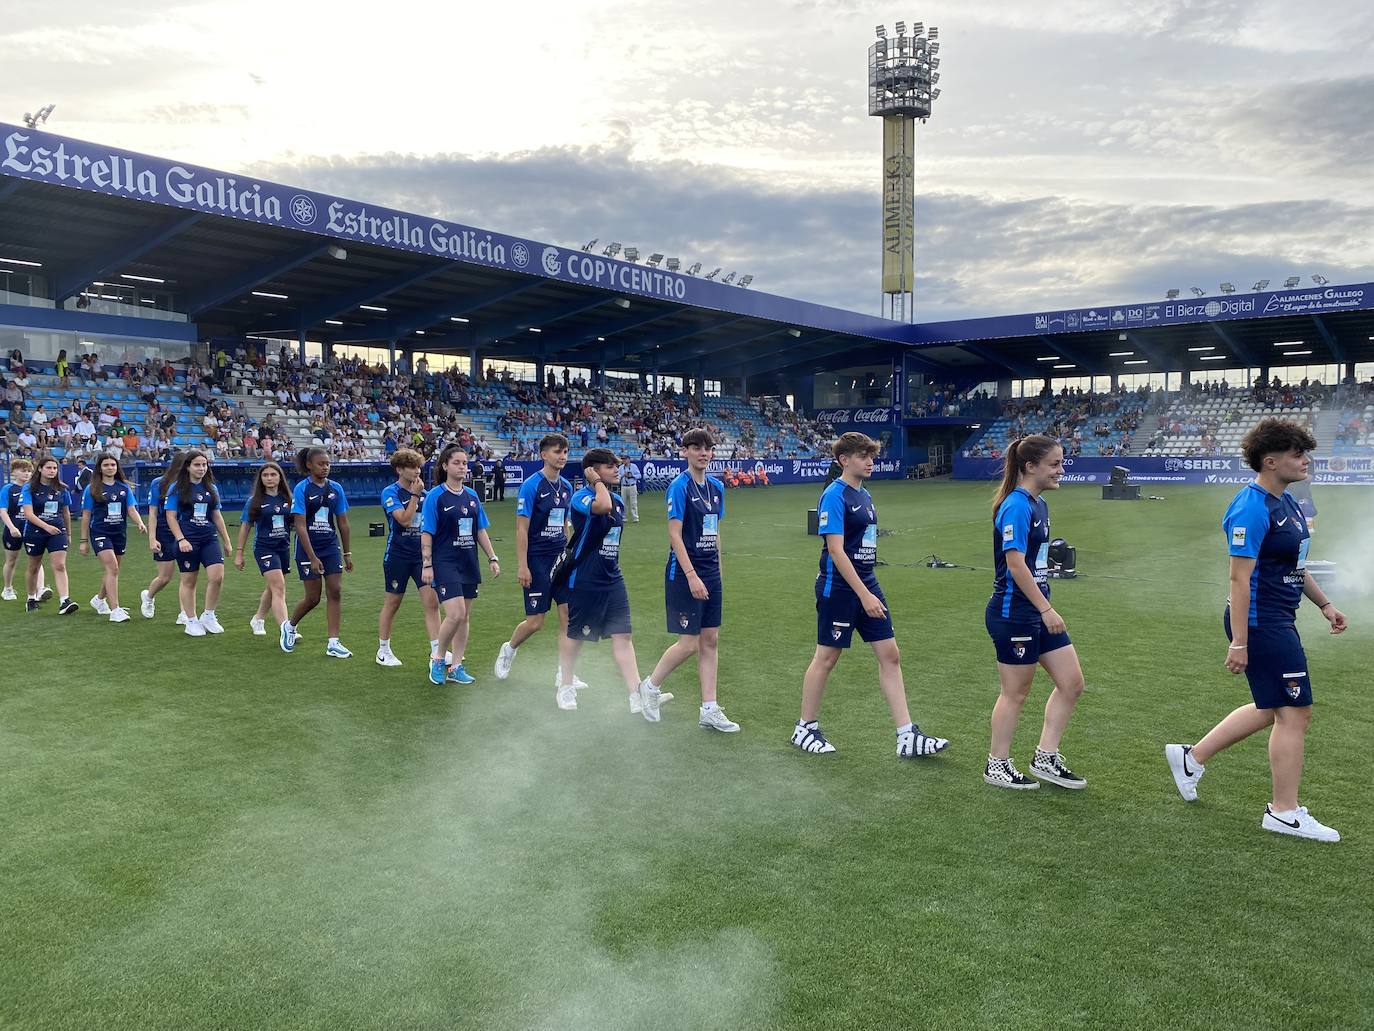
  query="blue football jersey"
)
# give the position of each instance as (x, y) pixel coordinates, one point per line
(1273, 531)
(1022, 523)
(848, 511)
(700, 508)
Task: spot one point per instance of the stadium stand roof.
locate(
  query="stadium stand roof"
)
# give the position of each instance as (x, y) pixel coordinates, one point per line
(244, 256)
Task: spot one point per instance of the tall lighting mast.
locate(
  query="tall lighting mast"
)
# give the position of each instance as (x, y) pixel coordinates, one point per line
(902, 77)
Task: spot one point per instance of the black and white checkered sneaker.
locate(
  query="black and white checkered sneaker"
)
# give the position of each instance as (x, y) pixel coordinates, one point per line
(1002, 773)
(1049, 767)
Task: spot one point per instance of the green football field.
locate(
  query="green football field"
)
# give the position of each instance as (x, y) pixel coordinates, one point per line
(212, 834)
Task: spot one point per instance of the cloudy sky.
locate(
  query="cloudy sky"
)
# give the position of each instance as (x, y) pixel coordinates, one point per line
(1095, 151)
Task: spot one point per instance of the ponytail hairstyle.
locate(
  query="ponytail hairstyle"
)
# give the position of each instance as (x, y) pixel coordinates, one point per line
(305, 456)
(260, 492)
(1019, 454)
(163, 487)
(441, 463)
(184, 475)
(98, 480)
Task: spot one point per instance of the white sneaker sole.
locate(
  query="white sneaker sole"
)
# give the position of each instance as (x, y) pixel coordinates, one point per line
(733, 728)
(1276, 826)
(258, 631)
(998, 782)
(1057, 781)
(1187, 786)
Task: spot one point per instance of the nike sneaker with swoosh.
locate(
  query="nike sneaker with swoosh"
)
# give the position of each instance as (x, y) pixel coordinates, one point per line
(1187, 771)
(1299, 824)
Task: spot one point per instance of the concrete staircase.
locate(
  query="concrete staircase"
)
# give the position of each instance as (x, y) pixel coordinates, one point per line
(1328, 421)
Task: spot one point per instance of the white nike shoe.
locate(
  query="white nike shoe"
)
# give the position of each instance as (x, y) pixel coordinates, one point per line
(100, 605)
(193, 627)
(504, 658)
(181, 619)
(211, 623)
(258, 626)
(1299, 823)
(715, 719)
(147, 604)
(1187, 771)
(566, 697)
(386, 657)
(8, 594)
(119, 615)
(637, 705)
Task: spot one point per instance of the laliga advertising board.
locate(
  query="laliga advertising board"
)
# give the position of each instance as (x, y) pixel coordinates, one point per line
(657, 473)
(1175, 469)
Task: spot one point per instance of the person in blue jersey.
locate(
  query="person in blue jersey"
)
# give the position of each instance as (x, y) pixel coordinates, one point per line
(693, 588)
(402, 563)
(1302, 494)
(12, 515)
(848, 598)
(193, 514)
(106, 505)
(598, 605)
(453, 525)
(46, 507)
(1024, 628)
(1267, 538)
(160, 540)
(319, 508)
(542, 523)
(267, 512)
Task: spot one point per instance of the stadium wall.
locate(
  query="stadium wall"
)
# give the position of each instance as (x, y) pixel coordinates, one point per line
(1217, 470)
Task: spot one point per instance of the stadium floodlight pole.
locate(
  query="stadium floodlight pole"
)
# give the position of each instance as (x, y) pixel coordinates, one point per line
(901, 90)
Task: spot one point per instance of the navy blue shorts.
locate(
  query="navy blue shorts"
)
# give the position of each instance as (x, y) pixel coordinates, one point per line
(449, 584)
(37, 541)
(278, 558)
(202, 554)
(595, 613)
(108, 542)
(688, 615)
(1021, 643)
(1277, 670)
(399, 573)
(169, 547)
(839, 615)
(12, 542)
(541, 595)
(331, 563)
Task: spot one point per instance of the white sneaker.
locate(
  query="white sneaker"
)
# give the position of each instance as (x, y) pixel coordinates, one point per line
(386, 657)
(649, 701)
(259, 627)
(1187, 771)
(1299, 823)
(211, 623)
(504, 658)
(577, 683)
(147, 604)
(637, 706)
(100, 605)
(715, 719)
(181, 619)
(913, 744)
(8, 594)
(335, 650)
(808, 737)
(119, 615)
(566, 697)
(193, 627)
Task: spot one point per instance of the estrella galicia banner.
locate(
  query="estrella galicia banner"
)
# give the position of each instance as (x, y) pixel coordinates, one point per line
(1172, 469)
(44, 157)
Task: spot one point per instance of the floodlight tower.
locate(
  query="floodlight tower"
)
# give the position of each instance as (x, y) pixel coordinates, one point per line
(902, 77)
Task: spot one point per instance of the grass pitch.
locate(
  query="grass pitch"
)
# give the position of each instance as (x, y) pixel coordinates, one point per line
(211, 834)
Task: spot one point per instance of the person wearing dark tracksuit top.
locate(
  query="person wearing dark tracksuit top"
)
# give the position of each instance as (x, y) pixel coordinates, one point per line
(160, 540)
(12, 515)
(402, 564)
(267, 512)
(319, 509)
(47, 511)
(194, 515)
